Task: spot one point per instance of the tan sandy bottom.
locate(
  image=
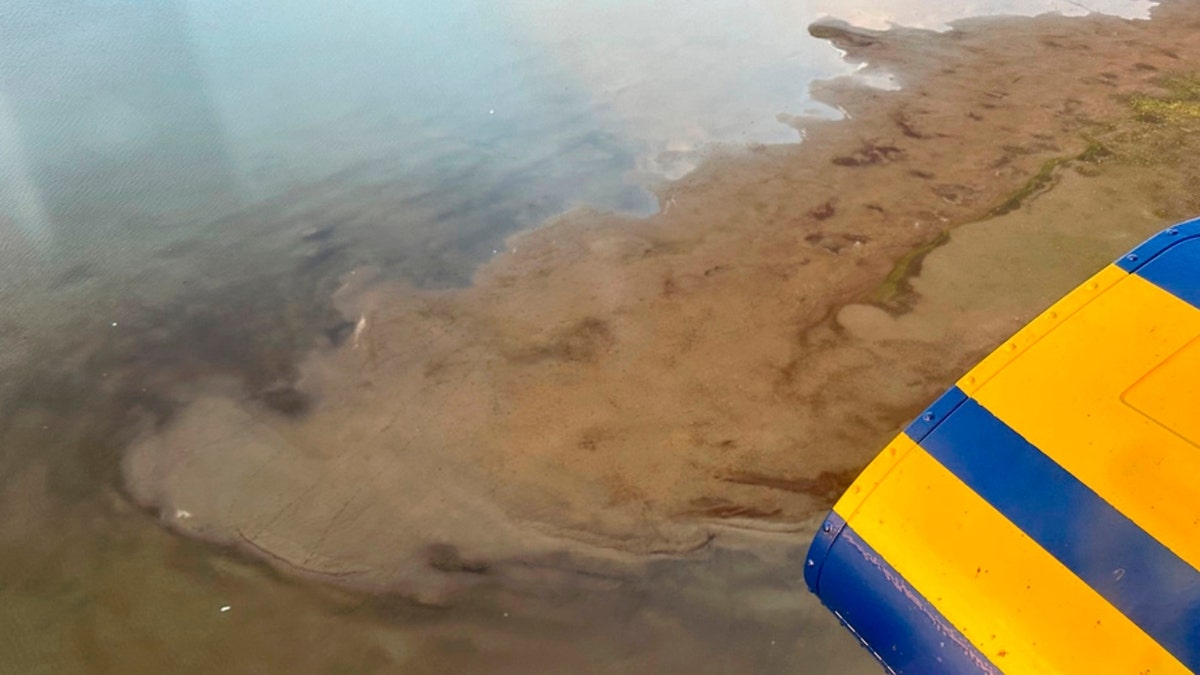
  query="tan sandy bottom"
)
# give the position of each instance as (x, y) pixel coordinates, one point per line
(615, 390)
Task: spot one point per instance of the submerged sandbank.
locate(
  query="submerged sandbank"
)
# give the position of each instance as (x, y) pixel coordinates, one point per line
(621, 388)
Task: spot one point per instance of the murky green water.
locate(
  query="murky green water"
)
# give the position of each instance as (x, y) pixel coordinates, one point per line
(181, 183)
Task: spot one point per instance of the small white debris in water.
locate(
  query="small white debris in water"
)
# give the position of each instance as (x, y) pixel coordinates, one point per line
(226, 608)
(506, 614)
(359, 329)
(493, 251)
(114, 324)
(182, 515)
(492, 111)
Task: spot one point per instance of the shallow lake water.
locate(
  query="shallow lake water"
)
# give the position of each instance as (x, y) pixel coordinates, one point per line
(183, 185)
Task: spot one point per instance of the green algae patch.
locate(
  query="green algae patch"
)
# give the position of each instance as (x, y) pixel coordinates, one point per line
(1180, 104)
(892, 292)
(1159, 110)
(1044, 179)
(1038, 183)
(896, 284)
(1095, 153)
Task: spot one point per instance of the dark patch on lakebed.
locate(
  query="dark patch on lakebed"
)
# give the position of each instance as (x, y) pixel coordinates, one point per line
(252, 295)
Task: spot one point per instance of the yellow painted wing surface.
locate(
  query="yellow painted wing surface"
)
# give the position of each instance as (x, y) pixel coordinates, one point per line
(1044, 514)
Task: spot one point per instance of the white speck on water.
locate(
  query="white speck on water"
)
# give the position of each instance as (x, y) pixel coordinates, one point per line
(506, 614)
(359, 329)
(492, 111)
(182, 515)
(225, 608)
(114, 324)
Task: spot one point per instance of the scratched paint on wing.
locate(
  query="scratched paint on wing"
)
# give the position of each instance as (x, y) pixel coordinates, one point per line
(951, 633)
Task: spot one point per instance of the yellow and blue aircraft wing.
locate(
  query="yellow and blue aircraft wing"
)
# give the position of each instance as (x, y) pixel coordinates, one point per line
(1044, 514)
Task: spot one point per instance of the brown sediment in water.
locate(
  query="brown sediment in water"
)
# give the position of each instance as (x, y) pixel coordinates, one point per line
(626, 387)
